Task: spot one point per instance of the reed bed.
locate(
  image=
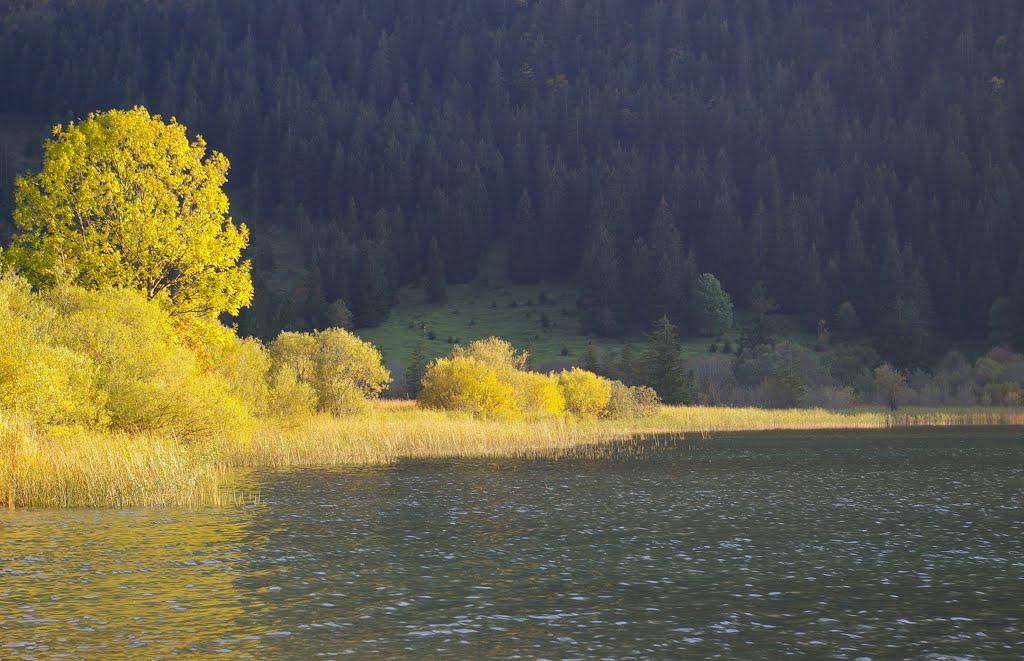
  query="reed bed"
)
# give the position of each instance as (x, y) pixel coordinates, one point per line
(78, 468)
(398, 430)
(89, 469)
(383, 437)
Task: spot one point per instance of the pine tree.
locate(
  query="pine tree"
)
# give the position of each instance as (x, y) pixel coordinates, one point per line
(664, 365)
(601, 301)
(670, 290)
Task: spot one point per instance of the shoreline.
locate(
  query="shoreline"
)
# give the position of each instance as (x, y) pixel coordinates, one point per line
(74, 468)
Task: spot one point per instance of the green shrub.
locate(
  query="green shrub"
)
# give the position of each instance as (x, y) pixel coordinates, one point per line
(631, 401)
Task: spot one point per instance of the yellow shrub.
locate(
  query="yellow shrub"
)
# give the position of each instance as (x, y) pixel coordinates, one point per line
(348, 371)
(296, 351)
(50, 384)
(463, 383)
(537, 393)
(288, 397)
(344, 371)
(631, 401)
(494, 352)
(152, 381)
(586, 394)
(243, 365)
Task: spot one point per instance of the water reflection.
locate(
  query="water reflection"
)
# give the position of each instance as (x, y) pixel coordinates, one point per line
(879, 545)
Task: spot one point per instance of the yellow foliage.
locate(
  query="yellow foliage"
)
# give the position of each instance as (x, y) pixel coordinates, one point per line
(51, 385)
(348, 371)
(243, 365)
(343, 370)
(586, 394)
(294, 350)
(463, 383)
(537, 393)
(124, 199)
(290, 398)
(151, 380)
(496, 353)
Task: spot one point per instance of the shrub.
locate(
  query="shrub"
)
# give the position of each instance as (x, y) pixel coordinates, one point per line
(537, 393)
(347, 371)
(153, 381)
(890, 385)
(586, 394)
(464, 383)
(294, 350)
(1000, 394)
(496, 353)
(289, 397)
(343, 372)
(243, 365)
(631, 402)
(51, 385)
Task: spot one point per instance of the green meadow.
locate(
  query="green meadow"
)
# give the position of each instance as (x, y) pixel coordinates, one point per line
(541, 319)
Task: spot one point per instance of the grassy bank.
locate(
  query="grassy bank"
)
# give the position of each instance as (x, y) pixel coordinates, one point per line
(73, 469)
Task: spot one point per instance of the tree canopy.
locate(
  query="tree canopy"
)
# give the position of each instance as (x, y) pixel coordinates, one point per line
(124, 199)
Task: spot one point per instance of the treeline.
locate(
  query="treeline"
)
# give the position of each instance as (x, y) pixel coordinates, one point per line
(860, 155)
(785, 374)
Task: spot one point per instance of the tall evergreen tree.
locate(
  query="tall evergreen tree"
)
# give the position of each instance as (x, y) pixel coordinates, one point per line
(600, 302)
(664, 365)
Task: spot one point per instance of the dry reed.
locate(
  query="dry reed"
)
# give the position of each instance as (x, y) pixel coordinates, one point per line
(71, 469)
(90, 469)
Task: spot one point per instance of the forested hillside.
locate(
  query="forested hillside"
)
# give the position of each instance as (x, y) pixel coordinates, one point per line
(857, 151)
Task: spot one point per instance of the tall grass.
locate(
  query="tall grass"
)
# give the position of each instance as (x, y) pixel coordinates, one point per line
(90, 469)
(76, 468)
(399, 430)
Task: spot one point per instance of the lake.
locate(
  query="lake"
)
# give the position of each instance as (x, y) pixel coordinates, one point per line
(851, 545)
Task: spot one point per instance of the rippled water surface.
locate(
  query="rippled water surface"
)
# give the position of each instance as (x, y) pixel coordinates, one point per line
(905, 544)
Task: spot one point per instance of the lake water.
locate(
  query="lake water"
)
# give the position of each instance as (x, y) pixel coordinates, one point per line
(897, 544)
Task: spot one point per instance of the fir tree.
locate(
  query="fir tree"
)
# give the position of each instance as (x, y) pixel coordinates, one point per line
(664, 366)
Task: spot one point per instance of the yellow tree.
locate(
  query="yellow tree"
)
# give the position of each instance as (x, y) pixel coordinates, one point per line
(125, 200)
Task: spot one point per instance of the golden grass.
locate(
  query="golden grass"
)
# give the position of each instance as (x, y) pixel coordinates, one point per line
(89, 469)
(71, 469)
(398, 430)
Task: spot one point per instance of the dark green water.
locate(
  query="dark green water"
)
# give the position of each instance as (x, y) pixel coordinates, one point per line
(905, 544)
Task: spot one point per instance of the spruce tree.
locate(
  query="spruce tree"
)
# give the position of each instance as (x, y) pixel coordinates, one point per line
(663, 363)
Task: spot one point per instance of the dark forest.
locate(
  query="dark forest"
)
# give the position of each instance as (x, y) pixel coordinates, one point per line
(855, 158)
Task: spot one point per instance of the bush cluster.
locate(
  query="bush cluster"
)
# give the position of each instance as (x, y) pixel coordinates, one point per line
(488, 379)
(110, 359)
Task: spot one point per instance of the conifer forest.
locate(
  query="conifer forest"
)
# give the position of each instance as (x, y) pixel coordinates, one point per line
(851, 162)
